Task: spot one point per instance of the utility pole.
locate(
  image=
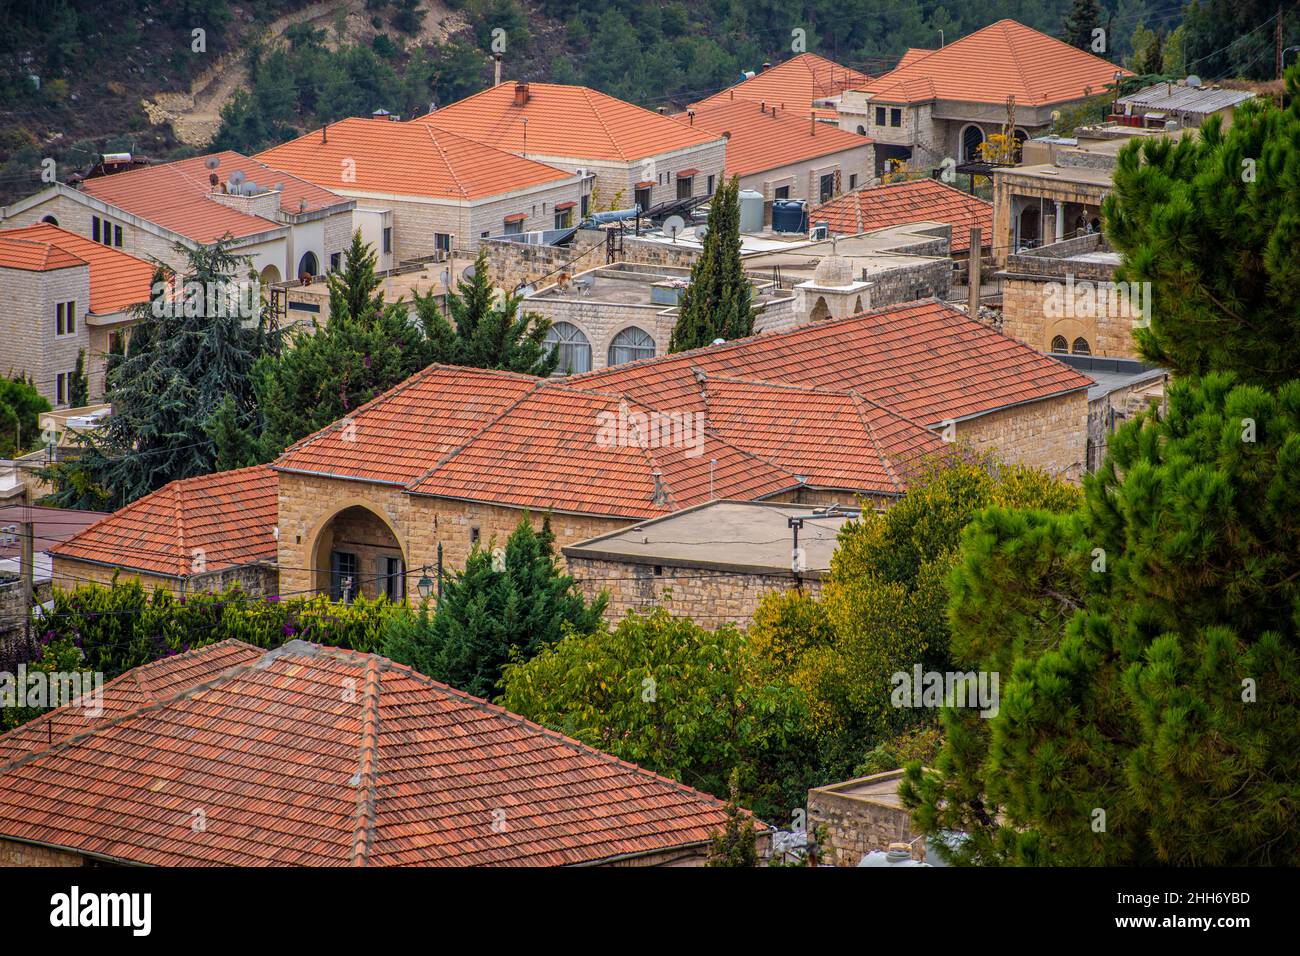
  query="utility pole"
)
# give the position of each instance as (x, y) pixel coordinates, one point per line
(1279, 39)
(973, 272)
(27, 570)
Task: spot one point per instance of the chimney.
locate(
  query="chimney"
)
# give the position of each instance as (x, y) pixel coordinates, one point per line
(766, 67)
(762, 105)
(662, 110)
(521, 93)
(324, 133)
(812, 116)
(773, 111)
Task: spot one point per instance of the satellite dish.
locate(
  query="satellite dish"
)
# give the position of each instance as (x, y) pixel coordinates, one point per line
(469, 272)
(251, 188)
(1193, 80)
(212, 162)
(674, 225)
(278, 187)
(701, 230)
(237, 177)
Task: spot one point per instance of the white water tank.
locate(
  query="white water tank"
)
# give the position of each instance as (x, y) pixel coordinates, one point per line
(751, 211)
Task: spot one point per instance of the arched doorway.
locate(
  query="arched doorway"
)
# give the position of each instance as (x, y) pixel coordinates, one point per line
(1029, 235)
(267, 278)
(972, 137)
(357, 554)
(308, 265)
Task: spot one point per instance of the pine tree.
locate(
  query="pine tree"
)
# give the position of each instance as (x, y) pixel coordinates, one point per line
(1211, 222)
(493, 612)
(487, 330)
(717, 303)
(734, 844)
(79, 386)
(356, 291)
(187, 354)
(1083, 18)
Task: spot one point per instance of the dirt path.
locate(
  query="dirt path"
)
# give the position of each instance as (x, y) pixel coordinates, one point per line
(196, 116)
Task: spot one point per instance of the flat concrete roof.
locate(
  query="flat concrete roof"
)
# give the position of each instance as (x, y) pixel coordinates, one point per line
(740, 536)
(1067, 174)
(1110, 374)
(879, 788)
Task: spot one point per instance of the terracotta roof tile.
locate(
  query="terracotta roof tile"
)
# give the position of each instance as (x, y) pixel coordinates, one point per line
(760, 141)
(918, 200)
(287, 769)
(176, 195)
(34, 255)
(408, 159)
(117, 280)
(925, 361)
(793, 84)
(188, 526)
(1003, 59)
(572, 122)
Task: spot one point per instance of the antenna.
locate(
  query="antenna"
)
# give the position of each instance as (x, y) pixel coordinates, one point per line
(673, 225)
(212, 162)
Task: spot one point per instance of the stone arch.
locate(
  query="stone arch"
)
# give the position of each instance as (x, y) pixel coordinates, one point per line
(574, 345)
(972, 137)
(308, 265)
(820, 310)
(1060, 345)
(857, 305)
(1080, 346)
(626, 338)
(50, 219)
(362, 529)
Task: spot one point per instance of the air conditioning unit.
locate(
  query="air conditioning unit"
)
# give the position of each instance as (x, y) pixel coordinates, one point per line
(533, 238)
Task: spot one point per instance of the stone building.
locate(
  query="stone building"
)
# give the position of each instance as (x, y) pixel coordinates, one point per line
(284, 225)
(195, 534)
(860, 816)
(805, 81)
(712, 563)
(423, 191)
(938, 105)
(65, 296)
(267, 798)
(453, 458)
(1063, 298)
(785, 153)
(630, 154)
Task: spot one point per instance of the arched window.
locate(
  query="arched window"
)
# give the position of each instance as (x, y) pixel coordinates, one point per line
(575, 350)
(308, 266)
(1019, 136)
(50, 219)
(1060, 345)
(1080, 347)
(971, 138)
(862, 130)
(631, 344)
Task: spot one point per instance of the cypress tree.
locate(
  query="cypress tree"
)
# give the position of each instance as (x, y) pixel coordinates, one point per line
(717, 303)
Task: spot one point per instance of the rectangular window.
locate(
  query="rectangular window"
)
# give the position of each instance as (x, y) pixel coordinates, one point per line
(336, 261)
(781, 192)
(895, 117)
(827, 184)
(564, 219)
(392, 578)
(388, 240)
(94, 228)
(65, 318)
(853, 180)
(117, 236)
(442, 241)
(709, 191)
(586, 206)
(475, 535)
(643, 198)
(684, 186)
(62, 387)
(515, 227)
(343, 576)
(880, 116)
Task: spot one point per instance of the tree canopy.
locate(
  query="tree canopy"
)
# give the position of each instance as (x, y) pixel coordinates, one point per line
(717, 302)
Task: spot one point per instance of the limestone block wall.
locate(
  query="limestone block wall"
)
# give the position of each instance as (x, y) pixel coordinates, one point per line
(856, 826)
(1107, 326)
(28, 328)
(14, 853)
(75, 217)
(1051, 434)
(257, 580)
(711, 598)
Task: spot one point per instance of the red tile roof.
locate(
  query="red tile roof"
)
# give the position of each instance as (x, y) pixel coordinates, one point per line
(759, 141)
(117, 280)
(287, 769)
(1003, 59)
(926, 361)
(549, 452)
(792, 85)
(176, 196)
(918, 200)
(834, 439)
(31, 255)
(188, 527)
(50, 526)
(408, 159)
(571, 122)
